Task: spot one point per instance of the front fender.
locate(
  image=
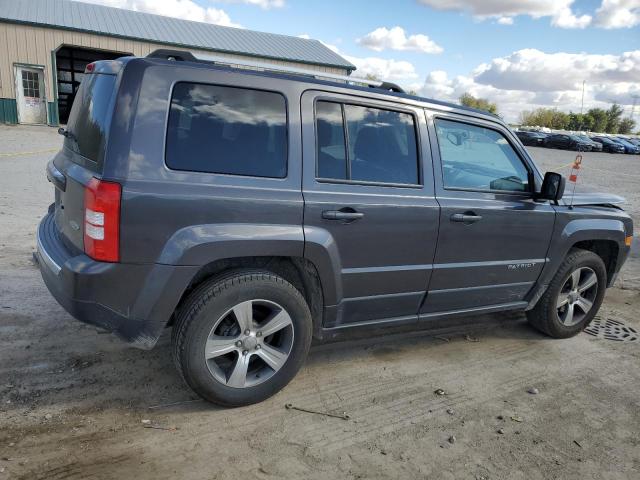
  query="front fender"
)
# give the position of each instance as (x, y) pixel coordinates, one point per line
(203, 244)
(570, 231)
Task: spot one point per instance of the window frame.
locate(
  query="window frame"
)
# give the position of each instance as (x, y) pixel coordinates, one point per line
(241, 87)
(530, 172)
(359, 103)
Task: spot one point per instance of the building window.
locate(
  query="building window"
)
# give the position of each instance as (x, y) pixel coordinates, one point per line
(30, 84)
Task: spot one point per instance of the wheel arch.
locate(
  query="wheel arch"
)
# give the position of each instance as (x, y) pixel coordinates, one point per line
(298, 271)
(607, 250)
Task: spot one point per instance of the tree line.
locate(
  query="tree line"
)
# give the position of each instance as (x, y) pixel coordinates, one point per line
(594, 120)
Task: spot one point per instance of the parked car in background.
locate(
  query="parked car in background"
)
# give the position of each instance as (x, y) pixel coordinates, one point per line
(595, 146)
(628, 146)
(609, 145)
(531, 139)
(567, 141)
(635, 141)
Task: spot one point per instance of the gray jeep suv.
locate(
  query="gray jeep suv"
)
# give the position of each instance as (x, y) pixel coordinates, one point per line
(253, 210)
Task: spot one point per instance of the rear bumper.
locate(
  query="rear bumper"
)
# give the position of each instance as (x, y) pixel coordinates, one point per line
(133, 301)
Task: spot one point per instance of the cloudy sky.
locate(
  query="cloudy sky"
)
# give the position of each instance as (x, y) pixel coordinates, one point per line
(520, 54)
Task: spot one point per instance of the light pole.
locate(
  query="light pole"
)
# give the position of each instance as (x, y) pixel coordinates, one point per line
(582, 103)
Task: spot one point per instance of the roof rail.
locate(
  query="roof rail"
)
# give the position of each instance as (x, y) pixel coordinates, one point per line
(183, 56)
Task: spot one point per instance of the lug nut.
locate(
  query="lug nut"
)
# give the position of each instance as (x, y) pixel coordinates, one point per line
(244, 352)
(259, 334)
(247, 332)
(238, 343)
(258, 347)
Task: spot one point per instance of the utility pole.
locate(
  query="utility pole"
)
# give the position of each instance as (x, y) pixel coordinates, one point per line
(582, 103)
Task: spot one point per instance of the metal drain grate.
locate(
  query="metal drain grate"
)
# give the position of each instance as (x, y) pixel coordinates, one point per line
(612, 330)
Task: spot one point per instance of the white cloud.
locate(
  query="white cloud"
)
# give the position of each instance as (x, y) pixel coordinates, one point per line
(382, 68)
(528, 79)
(559, 10)
(533, 70)
(618, 14)
(264, 4)
(184, 9)
(395, 39)
(505, 20)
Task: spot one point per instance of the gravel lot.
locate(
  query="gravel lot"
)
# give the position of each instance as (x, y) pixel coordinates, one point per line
(72, 401)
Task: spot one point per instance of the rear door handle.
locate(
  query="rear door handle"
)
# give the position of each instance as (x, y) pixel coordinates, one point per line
(341, 215)
(467, 217)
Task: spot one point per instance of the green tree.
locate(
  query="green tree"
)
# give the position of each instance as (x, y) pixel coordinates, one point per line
(469, 100)
(600, 119)
(614, 116)
(626, 125)
(546, 117)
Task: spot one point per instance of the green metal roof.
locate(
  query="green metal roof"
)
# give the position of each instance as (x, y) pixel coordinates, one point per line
(98, 19)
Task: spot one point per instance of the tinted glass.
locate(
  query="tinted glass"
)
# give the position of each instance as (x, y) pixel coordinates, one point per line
(90, 116)
(382, 145)
(478, 158)
(227, 130)
(332, 156)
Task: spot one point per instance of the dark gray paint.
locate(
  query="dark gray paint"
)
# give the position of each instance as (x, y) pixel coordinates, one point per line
(404, 261)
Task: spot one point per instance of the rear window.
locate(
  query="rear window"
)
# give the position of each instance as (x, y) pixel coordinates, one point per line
(90, 116)
(227, 130)
(380, 145)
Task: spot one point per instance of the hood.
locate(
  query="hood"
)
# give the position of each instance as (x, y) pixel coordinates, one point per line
(591, 198)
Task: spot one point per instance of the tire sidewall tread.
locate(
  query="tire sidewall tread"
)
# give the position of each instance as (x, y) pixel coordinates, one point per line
(544, 316)
(204, 306)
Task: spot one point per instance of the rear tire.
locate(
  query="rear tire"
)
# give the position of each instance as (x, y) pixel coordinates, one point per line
(241, 337)
(574, 296)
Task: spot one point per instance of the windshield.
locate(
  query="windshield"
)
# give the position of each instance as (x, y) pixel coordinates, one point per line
(90, 116)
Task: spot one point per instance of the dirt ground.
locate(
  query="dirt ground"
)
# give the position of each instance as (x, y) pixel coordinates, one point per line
(73, 401)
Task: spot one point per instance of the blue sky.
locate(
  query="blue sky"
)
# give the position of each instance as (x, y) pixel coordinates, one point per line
(522, 54)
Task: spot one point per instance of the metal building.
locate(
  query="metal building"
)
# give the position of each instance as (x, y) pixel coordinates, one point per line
(46, 44)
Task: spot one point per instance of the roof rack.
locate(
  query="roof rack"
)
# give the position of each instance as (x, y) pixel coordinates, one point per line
(183, 56)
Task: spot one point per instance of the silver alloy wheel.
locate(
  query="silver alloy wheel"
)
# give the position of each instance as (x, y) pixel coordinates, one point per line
(576, 296)
(249, 343)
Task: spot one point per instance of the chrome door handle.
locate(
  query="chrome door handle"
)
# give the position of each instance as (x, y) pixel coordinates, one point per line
(467, 217)
(341, 215)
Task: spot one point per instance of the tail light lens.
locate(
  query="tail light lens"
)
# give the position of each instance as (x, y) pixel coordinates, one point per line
(102, 220)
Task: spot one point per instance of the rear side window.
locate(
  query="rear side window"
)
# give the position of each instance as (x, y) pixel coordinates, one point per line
(379, 145)
(227, 130)
(91, 115)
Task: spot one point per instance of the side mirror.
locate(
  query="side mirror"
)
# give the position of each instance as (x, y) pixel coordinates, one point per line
(552, 187)
(454, 138)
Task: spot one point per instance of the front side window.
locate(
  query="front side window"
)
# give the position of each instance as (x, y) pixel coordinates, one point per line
(379, 146)
(478, 158)
(227, 130)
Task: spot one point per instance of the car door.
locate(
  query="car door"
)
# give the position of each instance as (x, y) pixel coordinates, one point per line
(370, 215)
(494, 236)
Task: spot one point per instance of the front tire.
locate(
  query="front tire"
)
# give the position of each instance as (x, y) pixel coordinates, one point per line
(574, 296)
(241, 337)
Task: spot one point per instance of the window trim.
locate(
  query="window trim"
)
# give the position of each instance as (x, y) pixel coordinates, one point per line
(199, 172)
(358, 103)
(530, 174)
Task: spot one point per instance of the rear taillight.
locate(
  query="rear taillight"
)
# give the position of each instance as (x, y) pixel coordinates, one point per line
(102, 220)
